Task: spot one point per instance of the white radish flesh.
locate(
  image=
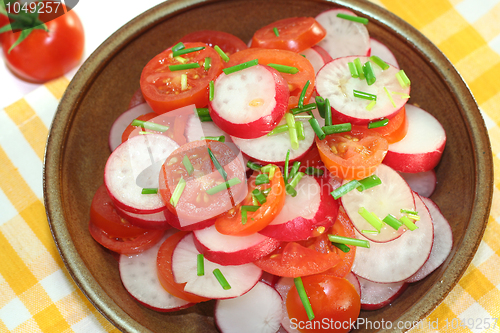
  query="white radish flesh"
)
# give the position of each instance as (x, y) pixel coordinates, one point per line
(259, 310)
(392, 195)
(314, 58)
(353, 279)
(380, 50)
(377, 295)
(283, 286)
(157, 221)
(241, 278)
(196, 129)
(121, 123)
(424, 183)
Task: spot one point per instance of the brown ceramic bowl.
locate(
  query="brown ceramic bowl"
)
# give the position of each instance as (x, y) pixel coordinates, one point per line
(77, 148)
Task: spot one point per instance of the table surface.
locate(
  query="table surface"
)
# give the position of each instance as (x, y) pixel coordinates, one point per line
(37, 293)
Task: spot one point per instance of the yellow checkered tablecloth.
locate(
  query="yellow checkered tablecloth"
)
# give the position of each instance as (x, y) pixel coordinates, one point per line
(38, 295)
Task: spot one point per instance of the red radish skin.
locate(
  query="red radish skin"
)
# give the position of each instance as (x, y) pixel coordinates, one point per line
(313, 207)
(353, 279)
(259, 310)
(322, 52)
(380, 50)
(175, 223)
(314, 58)
(375, 295)
(155, 221)
(422, 147)
(424, 183)
(283, 286)
(259, 94)
(232, 250)
(121, 123)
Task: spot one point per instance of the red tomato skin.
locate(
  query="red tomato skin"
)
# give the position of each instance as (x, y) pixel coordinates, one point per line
(227, 42)
(44, 56)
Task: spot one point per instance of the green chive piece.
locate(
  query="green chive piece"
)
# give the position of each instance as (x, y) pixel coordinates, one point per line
(211, 91)
(294, 169)
(403, 79)
(184, 82)
(222, 280)
(290, 190)
(305, 108)
(299, 126)
(312, 171)
(278, 129)
(181, 60)
(178, 192)
(285, 170)
(149, 125)
(149, 190)
(408, 211)
(200, 264)
(303, 117)
(342, 247)
(379, 62)
(181, 67)
(189, 50)
(257, 194)
(368, 182)
(224, 186)
(371, 232)
(344, 189)
(352, 69)
(408, 223)
(303, 297)
(284, 68)
(303, 94)
(145, 132)
(364, 95)
(244, 210)
(339, 128)
(208, 63)
(353, 18)
(414, 217)
(296, 179)
(378, 123)
(392, 221)
(222, 54)
(276, 32)
(267, 168)
(348, 241)
(244, 217)
(240, 67)
(178, 46)
(221, 138)
(262, 179)
(402, 95)
(292, 130)
(205, 118)
(370, 106)
(390, 97)
(271, 172)
(320, 104)
(328, 113)
(188, 165)
(255, 202)
(266, 191)
(359, 68)
(317, 129)
(369, 74)
(254, 166)
(217, 165)
(370, 218)
(202, 112)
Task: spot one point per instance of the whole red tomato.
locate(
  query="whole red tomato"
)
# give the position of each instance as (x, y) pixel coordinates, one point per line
(43, 55)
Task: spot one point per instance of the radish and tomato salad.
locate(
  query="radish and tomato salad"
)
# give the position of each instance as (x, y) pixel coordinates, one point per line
(284, 180)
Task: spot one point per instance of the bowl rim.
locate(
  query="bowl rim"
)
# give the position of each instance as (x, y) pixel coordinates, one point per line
(54, 152)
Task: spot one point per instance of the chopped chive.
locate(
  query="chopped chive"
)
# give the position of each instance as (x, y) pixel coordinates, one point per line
(347, 187)
(178, 46)
(320, 104)
(364, 95)
(294, 169)
(262, 179)
(402, 95)
(222, 280)
(267, 168)
(181, 60)
(292, 131)
(303, 117)
(266, 191)
(202, 112)
(370, 106)
(312, 171)
(240, 67)
(359, 68)
(304, 108)
(296, 179)
(255, 202)
(303, 94)
(339, 128)
(257, 194)
(221, 187)
(353, 18)
(149, 191)
(328, 113)
(244, 210)
(369, 74)
(371, 232)
(316, 128)
(149, 125)
(408, 223)
(378, 123)
(217, 165)
(348, 241)
(352, 69)
(403, 80)
(299, 126)
(221, 138)
(408, 211)
(276, 32)
(290, 190)
(211, 91)
(368, 182)
(189, 50)
(414, 217)
(279, 129)
(184, 82)
(379, 62)
(254, 166)
(179, 188)
(390, 97)
(205, 118)
(187, 165)
(370, 218)
(271, 172)
(200, 265)
(145, 132)
(222, 54)
(284, 68)
(181, 67)
(208, 63)
(342, 247)
(285, 170)
(303, 297)
(392, 222)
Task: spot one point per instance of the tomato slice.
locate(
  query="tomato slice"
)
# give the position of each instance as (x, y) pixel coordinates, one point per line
(162, 88)
(176, 126)
(353, 155)
(227, 42)
(132, 245)
(296, 82)
(231, 222)
(294, 34)
(165, 275)
(334, 302)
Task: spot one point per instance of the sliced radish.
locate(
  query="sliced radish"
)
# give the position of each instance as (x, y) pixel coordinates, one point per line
(157, 221)
(334, 82)
(351, 277)
(121, 123)
(314, 58)
(392, 195)
(441, 247)
(377, 295)
(241, 278)
(232, 250)
(343, 37)
(283, 286)
(311, 208)
(273, 149)
(135, 165)
(249, 103)
(259, 310)
(176, 223)
(424, 183)
(380, 50)
(421, 149)
(196, 129)
(139, 276)
(399, 259)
